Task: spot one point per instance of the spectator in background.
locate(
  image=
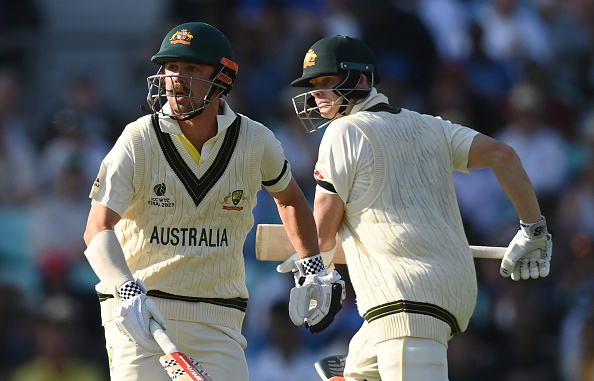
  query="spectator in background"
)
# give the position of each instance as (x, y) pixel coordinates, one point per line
(84, 97)
(341, 19)
(17, 152)
(571, 40)
(56, 359)
(285, 357)
(447, 20)
(71, 142)
(64, 200)
(515, 33)
(538, 145)
(19, 21)
(15, 328)
(487, 79)
(408, 64)
(576, 204)
(583, 11)
(271, 33)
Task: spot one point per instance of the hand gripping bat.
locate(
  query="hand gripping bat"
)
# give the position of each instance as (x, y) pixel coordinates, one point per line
(273, 244)
(178, 366)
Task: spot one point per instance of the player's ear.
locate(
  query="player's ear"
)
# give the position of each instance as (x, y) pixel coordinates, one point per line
(364, 81)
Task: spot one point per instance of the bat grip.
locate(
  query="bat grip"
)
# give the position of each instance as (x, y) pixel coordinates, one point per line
(488, 252)
(162, 337)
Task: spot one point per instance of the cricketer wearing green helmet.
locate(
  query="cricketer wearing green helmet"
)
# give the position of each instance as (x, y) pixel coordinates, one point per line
(335, 56)
(199, 43)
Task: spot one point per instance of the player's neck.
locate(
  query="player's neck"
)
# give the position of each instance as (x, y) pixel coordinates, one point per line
(202, 127)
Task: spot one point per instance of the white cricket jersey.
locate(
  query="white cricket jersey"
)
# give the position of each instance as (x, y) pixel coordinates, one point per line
(407, 253)
(184, 223)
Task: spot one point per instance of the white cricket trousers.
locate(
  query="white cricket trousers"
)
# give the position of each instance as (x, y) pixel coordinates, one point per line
(401, 359)
(218, 349)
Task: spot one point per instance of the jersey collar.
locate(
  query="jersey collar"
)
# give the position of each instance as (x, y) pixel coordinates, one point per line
(372, 99)
(224, 120)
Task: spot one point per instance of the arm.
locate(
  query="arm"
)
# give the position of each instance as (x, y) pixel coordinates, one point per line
(505, 163)
(104, 251)
(106, 257)
(312, 282)
(100, 218)
(297, 218)
(529, 253)
(328, 213)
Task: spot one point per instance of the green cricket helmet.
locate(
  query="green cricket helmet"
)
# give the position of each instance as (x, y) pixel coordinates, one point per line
(337, 55)
(334, 55)
(199, 43)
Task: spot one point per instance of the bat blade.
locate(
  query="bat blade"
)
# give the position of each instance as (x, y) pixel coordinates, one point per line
(273, 244)
(177, 365)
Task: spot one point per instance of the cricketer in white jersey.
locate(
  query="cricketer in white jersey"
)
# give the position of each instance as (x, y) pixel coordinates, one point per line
(384, 184)
(172, 205)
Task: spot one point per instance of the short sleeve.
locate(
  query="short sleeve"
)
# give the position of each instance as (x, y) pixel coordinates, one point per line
(340, 160)
(114, 185)
(460, 140)
(276, 169)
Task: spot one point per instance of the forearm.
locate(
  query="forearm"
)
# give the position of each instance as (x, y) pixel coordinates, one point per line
(107, 259)
(104, 252)
(297, 218)
(517, 186)
(505, 163)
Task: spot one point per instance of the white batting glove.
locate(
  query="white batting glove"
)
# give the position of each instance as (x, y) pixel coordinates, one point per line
(529, 253)
(318, 299)
(132, 317)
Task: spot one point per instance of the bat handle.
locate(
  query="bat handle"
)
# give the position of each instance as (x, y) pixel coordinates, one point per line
(488, 252)
(162, 337)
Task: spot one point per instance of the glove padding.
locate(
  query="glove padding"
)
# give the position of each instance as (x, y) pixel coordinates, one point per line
(317, 296)
(317, 301)
(529, 253)
(132, 318)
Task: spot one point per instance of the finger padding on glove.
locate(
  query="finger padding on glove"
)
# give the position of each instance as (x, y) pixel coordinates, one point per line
(316, 324)
(317, 301)
(132, 318)
(529, 253)
(534, 264)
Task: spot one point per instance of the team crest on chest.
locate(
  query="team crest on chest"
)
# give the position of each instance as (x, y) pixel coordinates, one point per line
(234, 200)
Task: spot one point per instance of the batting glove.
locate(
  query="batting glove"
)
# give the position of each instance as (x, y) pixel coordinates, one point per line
(290, 265)
(318, 299)
(132, 317)
(529, 253)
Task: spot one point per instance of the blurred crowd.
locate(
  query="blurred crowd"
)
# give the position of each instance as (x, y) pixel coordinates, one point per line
(518, 70)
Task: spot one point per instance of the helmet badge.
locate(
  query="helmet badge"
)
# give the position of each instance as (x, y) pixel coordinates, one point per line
(310, 59)
(181, 37)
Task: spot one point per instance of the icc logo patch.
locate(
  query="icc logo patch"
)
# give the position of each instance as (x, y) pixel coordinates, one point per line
(163, 202)
(160, 189)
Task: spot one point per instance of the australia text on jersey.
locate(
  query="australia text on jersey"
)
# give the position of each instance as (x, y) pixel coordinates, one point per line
(189, 237)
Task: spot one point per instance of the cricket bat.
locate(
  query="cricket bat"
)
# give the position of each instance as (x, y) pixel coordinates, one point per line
(330, 366)
(273, 244)
(178, 366)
